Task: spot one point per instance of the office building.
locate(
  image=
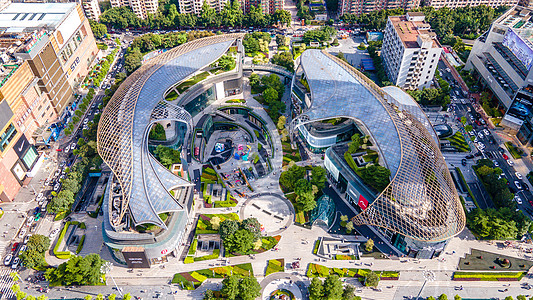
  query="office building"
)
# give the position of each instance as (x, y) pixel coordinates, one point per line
(462, 3)
(410, 52)
(46, 49)
(501, 59)
(419, 210)
(195, 6)
(141, 8)
(92, 9)
(362, 6)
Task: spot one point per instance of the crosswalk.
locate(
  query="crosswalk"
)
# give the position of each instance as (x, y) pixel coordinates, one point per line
(6, 281)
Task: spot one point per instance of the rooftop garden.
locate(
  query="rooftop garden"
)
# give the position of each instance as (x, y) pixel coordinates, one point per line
(193, 279)
(458, 141)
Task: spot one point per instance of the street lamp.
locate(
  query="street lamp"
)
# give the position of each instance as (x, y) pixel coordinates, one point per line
(428, 276)
(106, 269)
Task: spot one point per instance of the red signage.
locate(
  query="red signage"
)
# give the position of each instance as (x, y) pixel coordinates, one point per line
(164, 251)
(363, 203)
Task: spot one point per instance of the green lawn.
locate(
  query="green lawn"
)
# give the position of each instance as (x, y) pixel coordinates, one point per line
(193, 279)
(516, 152)
(171, 96)
(194, 80)
(275, 265)
(458, 141)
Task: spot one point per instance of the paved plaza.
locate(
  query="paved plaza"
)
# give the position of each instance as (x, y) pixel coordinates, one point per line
(272, 212)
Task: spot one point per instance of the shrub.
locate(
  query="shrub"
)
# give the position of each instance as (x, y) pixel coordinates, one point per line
(188, 260)
(80, 245)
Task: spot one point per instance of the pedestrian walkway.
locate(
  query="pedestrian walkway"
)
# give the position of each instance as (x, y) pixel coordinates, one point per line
(6, 282)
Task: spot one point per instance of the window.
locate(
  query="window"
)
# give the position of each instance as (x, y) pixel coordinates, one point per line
(434, 54)
(7, 136)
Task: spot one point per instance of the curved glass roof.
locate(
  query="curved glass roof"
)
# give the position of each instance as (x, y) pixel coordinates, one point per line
(126, 121)
(421, 201)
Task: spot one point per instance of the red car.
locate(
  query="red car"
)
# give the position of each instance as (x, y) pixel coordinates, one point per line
(15, 247)
(505, 156)
(531, 202)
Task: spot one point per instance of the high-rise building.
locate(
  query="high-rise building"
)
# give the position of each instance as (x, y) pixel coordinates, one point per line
(46, 49)
(364, 6)
(4, 3)
(462, 3)
(410, 52)
(141, 8)
(501, 59)
(267, 6)
(195, 6)
(92, 9)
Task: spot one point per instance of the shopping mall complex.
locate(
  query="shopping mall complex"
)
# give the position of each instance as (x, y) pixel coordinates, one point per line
(419, 210)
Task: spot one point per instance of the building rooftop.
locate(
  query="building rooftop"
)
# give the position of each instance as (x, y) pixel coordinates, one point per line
(421, 201)
(23, 17)
(125, 123)
(409, 31)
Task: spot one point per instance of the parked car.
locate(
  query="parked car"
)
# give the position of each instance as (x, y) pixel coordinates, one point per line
(463, 161)
(22, 233)
(15, 263)
(518, 199)
(496, 164)
(27, 238)
(518, 175)
(15, 247)
(505, 156)
(510, 162)
(486, 132)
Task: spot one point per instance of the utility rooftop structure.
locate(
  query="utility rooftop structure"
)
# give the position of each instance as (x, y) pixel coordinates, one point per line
(142, 188)
(410, 52)
(420, 207)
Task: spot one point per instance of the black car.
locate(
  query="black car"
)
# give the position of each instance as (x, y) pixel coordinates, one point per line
(525, 186)
(463, 161)
(470, 156)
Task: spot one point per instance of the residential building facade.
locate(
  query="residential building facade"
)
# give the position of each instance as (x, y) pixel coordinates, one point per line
(267, 6)
(410, 52)
(195, 6)
(462, 3)
(141, 8)
(363, 6)
(92, 9)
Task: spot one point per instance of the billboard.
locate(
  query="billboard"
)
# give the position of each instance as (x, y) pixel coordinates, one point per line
(135, 257)
(520, 109)
(520, 48)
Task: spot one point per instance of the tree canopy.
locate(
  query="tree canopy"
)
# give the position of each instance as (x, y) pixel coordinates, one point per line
(77, 271)
(33, 256)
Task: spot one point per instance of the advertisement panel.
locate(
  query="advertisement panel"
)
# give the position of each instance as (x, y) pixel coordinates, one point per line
(519, 47)
(135, 257)
(520, 108)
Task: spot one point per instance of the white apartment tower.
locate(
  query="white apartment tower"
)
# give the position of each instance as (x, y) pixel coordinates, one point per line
(92, 9)
(141, 8)
(410, 52)
(195, 6)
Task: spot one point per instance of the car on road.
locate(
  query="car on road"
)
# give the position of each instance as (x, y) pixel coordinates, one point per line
(472, 133)
(57, 186)
(67, 148)
(518, 175)
(486, 132)
(15, 247)
(518, 185)
(38, 217)
(23, 248)
(73, 145)
(510, 162)
(53, 233)
(27, 238)
(15, 263)
(496, 164)
(22, 233)
(463, 161)
(85, 121)
(8, 259)
(480, 134)
(518, 199)
(505, 156)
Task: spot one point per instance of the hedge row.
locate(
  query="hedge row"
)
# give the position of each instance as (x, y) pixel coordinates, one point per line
(80, 245)
(488, 276)
(467, 187)
(63, 254)
(315, 270)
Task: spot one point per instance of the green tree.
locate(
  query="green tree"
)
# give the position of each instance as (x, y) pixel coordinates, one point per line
(369, 245)
(240, 242)
(20, 295)
(430, 298)
(521, 297)
(30, 297)
(127, 296)
(372, 279)
(88, 297)
(209, 295)
(281, 41)
(167, 156)
(282, 17)
(33, 257)
(99, 30)
(42, 297)
(349, 293)
(99, 297)
(305, 195)
(252, 225)
(316, 289)
(270, 95)
(283, 59)
(77, 271)
(158, 132)
(132, 60)
(333, 288)
(457, 297)
(255, 82)
(282, 120)
(318, 177)
(230, 287)
(62, 201)
(249, 288)
(228, 228)
(376, 176)
(111, 297)
(443, 297)
(289, 177)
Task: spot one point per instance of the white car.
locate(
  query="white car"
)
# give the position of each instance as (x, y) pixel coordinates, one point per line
(510, 162)
(518, 175)
(8, 259)
(53, 233)
(67, 149)
(23, 248)
(472, 133)
(73, 145)
(480, 135)
(486, 132)
(22, 233)
(27, 238)
(56, 187)
(30, 220)
(496, 164)
(85, 121)
(517, 184)
(518, 199)
(15, 263)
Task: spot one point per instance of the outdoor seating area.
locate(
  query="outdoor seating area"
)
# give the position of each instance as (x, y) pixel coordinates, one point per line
(483, 260)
